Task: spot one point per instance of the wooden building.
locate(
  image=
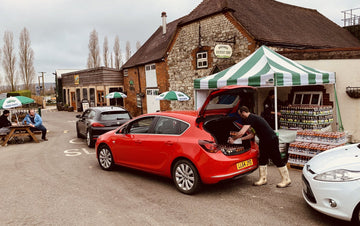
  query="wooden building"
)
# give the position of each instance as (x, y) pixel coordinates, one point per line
(92, 85)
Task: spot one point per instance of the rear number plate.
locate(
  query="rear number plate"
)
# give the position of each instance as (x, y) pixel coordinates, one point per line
(244, 164)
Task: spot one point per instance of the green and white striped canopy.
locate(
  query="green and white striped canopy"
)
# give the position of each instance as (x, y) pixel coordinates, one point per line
(266, 68)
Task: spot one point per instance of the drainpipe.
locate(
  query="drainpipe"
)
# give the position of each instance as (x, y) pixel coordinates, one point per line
(140, 93)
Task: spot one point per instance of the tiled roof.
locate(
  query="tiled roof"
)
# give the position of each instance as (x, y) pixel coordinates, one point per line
(154, 49)
(275, 23)
(270, 23)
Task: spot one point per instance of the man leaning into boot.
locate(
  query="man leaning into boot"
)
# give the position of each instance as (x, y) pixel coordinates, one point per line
(268, 146)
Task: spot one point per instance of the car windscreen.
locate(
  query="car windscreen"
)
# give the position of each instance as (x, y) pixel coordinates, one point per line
(114, 115)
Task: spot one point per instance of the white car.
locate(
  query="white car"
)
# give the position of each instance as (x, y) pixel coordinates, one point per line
(331, 183)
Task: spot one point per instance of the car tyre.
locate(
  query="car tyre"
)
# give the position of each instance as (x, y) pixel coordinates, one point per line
(105, 158)
(78, 133)
(356, 216)
(89, 139)
(186, 177)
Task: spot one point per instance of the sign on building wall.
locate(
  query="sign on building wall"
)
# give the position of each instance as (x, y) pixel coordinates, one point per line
(76, 79)
(223, 51)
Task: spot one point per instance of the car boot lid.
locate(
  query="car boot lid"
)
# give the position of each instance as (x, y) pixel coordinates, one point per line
(224, 100)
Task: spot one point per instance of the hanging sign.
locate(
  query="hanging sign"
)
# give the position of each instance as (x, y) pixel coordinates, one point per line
(223, 51)
(76, 79)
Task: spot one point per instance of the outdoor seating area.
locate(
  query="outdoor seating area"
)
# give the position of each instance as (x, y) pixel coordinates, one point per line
(18, 134)
(18, 107)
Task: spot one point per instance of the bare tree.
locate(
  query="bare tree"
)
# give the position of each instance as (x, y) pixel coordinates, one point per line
(117, 53)
(106, 52)
(111, 60)
(138, 45)
(9, 60)
(26, 61)
(128, 51)
(94, 50)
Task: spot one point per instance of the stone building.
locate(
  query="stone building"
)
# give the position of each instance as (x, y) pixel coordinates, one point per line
(183, 50)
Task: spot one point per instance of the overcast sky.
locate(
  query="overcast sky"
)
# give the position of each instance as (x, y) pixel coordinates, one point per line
(60, 29)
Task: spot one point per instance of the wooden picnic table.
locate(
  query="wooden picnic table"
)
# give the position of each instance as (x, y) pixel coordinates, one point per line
(18, 131)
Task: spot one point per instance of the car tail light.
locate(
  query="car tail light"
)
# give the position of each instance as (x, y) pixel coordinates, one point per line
(96, 124)
(209, 146)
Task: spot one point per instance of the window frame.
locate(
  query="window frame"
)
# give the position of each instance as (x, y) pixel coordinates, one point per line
(202, 59)
(312, 95)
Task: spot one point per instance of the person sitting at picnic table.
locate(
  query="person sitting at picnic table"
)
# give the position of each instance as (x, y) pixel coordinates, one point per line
(35, 122)
(4, 122)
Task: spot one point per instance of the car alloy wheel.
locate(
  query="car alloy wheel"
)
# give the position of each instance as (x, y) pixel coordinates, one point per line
(186, 177)
(89, 141)
(105, 158)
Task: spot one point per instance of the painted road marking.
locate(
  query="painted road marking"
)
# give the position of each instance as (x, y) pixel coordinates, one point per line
(77, 151)
(77, 141)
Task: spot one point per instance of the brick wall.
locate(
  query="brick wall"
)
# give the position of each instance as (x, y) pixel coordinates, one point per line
(132, 87)
(136, 73)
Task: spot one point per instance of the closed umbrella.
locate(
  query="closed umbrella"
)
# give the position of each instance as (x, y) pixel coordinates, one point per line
(173, 95)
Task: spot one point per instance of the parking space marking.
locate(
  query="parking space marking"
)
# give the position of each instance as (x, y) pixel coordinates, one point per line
(77, 151)
(76, 141)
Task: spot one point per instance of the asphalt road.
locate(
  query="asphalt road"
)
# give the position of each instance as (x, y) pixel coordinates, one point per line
(59, 182)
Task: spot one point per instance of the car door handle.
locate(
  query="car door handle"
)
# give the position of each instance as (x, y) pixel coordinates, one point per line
(169, 143)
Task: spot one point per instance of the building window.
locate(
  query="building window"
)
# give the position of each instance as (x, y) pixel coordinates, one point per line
(126, 72)
(202, 60)
(150, 74)
(92, 97)
(307, 98)
(85, 94)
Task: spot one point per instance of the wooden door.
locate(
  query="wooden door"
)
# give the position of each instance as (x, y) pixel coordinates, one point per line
(73, 100)
(100, 98)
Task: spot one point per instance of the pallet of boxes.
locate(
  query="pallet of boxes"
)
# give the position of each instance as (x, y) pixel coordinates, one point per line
(309, 143)
(309, 121)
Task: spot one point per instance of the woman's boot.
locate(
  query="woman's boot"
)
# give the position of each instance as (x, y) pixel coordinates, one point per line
(262, 176)
(285, 177)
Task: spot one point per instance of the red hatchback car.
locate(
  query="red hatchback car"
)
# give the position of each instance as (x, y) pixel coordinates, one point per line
(188, 146)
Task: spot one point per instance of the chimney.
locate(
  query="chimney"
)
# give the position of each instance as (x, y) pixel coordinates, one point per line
(163, 16)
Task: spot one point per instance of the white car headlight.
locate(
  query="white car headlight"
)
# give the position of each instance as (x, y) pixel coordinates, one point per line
(339, 175)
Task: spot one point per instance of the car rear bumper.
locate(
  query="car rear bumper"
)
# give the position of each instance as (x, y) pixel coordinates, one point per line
(228, 167)
(97, 131)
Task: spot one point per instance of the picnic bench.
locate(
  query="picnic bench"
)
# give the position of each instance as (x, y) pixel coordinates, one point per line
(18, 131)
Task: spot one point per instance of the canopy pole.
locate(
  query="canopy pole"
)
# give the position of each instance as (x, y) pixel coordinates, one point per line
(276, 109)
(275, 104)
(339, 125)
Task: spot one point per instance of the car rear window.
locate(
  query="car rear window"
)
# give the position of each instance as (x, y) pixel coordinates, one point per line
(170, 126)
(223, 102)
(114, 115)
